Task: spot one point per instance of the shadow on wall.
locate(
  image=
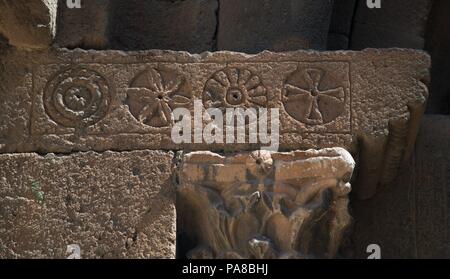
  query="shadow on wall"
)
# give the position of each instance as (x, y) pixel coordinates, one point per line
(201, 25)
(178, 25)
(195, 25)
(438, 45)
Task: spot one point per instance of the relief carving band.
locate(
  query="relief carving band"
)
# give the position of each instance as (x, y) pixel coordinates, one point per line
(77, 97)
(308, 101)
(265, 205)
(125, 100)
(154, 94)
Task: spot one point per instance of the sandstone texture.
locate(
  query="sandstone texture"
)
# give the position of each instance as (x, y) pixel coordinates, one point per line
(265, 205)
(28, 24)
(112, 205)
(255, 25)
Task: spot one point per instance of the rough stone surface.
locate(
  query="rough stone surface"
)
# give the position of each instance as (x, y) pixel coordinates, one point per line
(265, 205)
(410, 219)
(153, 24)
(113, 205)
(30, 23)
(369, 101)
(398, 23)
(438, 45)
(255, 25)
(85, 27)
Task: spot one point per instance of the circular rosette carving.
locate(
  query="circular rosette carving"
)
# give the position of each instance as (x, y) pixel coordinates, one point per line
(154, 94)
(234, 87)
(305, 99)
(77, 97)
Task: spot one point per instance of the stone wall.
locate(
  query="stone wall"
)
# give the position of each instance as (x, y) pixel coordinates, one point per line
(121, 202)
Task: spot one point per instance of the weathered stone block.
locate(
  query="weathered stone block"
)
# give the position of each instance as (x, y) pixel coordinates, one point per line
(112, 205)
(28, 24)
(256, 25)
(369, 101)
(264, 204)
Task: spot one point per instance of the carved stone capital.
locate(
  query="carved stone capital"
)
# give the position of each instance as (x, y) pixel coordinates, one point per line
(265, 204)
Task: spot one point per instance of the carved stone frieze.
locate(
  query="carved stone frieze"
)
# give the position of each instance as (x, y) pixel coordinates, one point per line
(368, 102)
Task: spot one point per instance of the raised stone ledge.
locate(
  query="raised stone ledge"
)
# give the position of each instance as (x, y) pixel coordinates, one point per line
(368, 102)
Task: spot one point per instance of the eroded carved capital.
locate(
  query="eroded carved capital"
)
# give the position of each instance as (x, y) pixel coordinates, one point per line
(265, 204)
